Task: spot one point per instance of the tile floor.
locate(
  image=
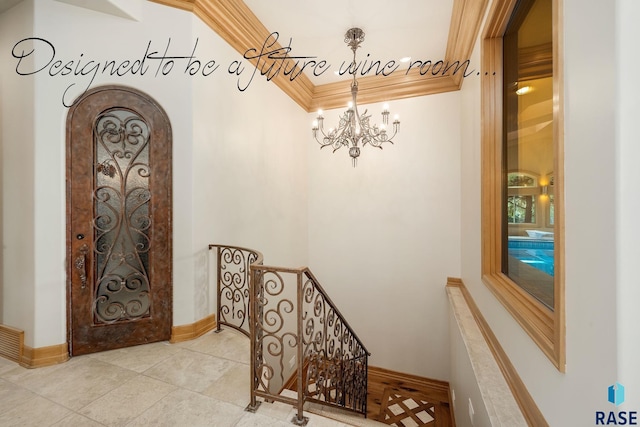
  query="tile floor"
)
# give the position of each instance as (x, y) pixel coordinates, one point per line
(204, 382)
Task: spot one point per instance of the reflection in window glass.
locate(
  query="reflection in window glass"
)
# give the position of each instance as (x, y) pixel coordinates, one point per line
(528, 145)
(521, 180)
(521, 209)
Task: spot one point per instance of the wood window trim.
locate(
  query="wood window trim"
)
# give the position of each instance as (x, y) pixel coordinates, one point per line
(544, 326)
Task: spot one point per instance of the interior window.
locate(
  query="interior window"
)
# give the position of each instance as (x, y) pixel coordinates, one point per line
(523, 168)
(528, 145)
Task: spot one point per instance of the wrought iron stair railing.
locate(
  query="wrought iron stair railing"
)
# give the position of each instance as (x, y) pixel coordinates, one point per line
(299, 338)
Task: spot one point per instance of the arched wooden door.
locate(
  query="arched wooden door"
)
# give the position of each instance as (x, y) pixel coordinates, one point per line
(119, 255)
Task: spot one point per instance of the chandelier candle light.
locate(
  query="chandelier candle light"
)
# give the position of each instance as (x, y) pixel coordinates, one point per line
(354, 130)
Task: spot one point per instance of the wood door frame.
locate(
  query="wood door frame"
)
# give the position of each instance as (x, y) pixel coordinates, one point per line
(121, 97)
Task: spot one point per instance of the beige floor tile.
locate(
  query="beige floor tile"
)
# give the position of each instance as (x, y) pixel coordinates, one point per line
(36, 412)
(234, 386)
(125, 403)
(204, 382)
(227, 344)
(138, 358)
(77, 420)
(277, 410)
(190, 369)
(6, 365)
(19, 374)
(12, 395)
(186, 408)
(76, 383)
(257, 420)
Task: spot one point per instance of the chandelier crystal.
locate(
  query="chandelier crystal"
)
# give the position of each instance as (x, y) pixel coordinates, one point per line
(354, 130)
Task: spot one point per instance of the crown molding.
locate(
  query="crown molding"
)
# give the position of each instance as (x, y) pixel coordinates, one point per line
(466, 21)
(379, 89)
(238, 26)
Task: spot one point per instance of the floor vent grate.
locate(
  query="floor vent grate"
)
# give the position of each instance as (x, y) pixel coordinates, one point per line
(11, 343)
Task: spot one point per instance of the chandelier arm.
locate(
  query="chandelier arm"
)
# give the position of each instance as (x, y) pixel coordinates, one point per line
(354, 129)
(336, 138)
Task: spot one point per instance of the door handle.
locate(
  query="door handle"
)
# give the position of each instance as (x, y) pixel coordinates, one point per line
(81, 264)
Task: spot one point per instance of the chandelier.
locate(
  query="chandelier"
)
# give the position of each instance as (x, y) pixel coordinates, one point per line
(354, 130)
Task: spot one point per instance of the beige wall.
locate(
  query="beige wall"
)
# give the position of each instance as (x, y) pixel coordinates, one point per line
(627, 196)
(385, 235)
(569, 398)
(238, 174)
(18, 176)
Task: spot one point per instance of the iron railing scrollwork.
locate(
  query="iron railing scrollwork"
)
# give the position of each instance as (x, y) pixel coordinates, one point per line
(337, 359)
(299, 339)
(303, 343)
(233, 264)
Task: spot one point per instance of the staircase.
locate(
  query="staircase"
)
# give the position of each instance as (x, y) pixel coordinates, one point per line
(303, 351)
(401, 399)
(295, 330)
(395, 398)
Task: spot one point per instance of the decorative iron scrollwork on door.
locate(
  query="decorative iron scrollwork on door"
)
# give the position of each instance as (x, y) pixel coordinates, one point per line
(122, 217)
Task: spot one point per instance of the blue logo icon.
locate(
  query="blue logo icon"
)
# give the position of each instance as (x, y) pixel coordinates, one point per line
(616, 394)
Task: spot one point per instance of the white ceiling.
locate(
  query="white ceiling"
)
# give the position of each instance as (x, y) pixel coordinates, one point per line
(105, 6)
(393, 29)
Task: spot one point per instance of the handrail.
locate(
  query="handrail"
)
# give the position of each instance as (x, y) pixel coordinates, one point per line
(296, 332)
(326, 295)
(338, 361)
